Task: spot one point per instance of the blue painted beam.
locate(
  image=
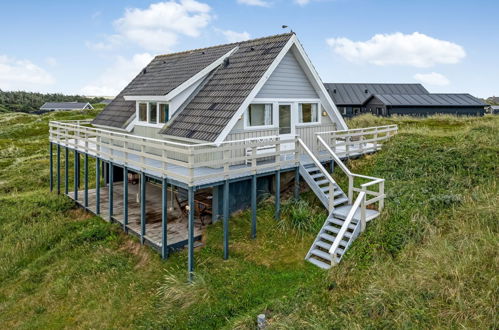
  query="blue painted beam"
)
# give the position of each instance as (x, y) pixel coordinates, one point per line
(125, 199)
(85, 183)
(110, 172)
(51, 167)
(66, 170)
(164, 218)
(253, 206)
(58, 169)
(142, 207)
(97, 186)
(297, 183)
(278, 195)
(226, 219)
(190, 255)
(76, 174)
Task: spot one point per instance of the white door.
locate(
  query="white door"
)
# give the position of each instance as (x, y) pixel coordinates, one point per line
(286, 125)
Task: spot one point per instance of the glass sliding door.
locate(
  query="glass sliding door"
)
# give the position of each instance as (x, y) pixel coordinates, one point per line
(284, 119)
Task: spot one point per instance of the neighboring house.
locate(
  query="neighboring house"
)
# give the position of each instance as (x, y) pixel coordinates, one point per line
(425, 105)
(400, 99)
(494, 109)
(350, 98)
(205, 131)
(60, 106)
(106, 101)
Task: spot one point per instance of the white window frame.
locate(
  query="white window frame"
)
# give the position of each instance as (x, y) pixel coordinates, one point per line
(248, 127)
(319, 114)
(158, 104)
(147, 123)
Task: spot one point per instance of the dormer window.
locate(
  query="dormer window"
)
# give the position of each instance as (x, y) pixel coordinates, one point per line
(153, 113)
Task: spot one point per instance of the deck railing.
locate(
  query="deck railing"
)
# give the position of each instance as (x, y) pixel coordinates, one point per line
(197, 163)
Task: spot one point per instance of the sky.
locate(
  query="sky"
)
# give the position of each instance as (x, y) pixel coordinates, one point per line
(96, 47)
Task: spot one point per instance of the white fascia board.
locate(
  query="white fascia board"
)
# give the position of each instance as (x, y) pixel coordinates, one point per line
(111, 128)
(310, 70)
(182, 87)
(255, 91)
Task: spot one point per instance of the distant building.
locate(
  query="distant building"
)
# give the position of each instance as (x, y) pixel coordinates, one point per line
(494, 109)
(400, 99)
(106, 101)
(60, 106)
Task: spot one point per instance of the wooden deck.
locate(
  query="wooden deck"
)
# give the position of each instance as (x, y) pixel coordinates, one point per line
(177, 224)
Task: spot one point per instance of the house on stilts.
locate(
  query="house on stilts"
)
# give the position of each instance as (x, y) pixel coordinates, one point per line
(197, 134)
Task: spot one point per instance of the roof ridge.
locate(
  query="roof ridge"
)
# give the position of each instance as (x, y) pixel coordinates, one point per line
(223, 45)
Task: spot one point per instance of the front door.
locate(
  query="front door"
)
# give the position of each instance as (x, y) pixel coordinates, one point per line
(286, 127)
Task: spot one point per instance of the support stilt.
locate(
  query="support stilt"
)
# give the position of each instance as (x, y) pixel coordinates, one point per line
(97, 186)
(190, 256)
(76, 174)
(51, 167)
(164, 219)
(226, 219)
(253, 206)
(66, 170)
(142, 207)
(110, 172)
(85, 183)
(278, 195)
(297, 183)
(58, 169)
(125, 199)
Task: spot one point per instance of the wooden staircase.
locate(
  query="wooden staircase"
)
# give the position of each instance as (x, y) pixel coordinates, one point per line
(347, 218)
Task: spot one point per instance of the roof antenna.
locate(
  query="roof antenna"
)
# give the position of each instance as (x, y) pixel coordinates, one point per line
(285, 27)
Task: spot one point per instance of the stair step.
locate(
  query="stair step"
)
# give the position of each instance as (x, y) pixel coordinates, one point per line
(337, 192)
(324, 245)
(312, 169)
(340, 201)
(336, 230)
(325, 181)
(319, 263)
(322, 254)
(327, 237)
(340, 223)
(318, 175)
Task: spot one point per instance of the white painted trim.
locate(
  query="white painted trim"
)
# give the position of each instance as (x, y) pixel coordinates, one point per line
(221, 137)
(147, 123)
(109, 127)
(319, 115)
(262, 127)
(299, 100)
(333, 110)
(186, 84)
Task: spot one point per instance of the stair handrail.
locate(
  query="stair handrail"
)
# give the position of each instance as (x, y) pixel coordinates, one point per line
(360, 201)
(323, 170)
(379, 195)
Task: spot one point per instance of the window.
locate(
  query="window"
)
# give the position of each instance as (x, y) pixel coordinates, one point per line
(308, 113)
(344, 110)
(142, 111)
(356, 111)
(164, 113)
(259, 115)
(153, 113)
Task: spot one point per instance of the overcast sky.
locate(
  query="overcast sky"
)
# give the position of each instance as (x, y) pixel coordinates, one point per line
(96, 47)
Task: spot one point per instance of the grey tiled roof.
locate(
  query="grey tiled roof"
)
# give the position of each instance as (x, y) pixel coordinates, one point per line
(63, 105)
(446, 100)
(355, 94)
(208, 113)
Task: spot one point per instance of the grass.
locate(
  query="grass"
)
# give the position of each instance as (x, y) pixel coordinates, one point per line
(430, 260)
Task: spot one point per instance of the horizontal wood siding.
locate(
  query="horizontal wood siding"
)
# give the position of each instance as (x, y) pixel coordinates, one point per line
(288, 81)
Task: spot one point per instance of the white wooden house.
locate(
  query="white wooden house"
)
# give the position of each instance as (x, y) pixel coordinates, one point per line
(202, 122)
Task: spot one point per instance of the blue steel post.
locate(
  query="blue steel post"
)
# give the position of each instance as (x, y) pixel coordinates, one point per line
(66, 170)
(51, 167)
(76, 174)
(253, 206)
(278, 195)
(164, 218)
(97, 186)
(85, 183)
(58, 169)
(111, 186)
(142, 207)
(297, 183)
(190, 256)
(226, 219)
(125, 199)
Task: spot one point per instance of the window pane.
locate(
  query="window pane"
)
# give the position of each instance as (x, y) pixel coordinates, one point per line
(142, 111)
(309, 113)
(163, 113)
(260, 114)
(153, 114)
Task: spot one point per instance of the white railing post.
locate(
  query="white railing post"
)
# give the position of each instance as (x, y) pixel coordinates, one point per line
(190, 161)
(350, 189)
(297, 151)
(382, 193)
(363, 211)
(331, 197)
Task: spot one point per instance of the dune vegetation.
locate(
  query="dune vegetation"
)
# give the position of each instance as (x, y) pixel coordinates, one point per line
(430, 260)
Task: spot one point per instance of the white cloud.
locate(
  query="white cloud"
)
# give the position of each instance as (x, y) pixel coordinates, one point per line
(157, 27)
(414, 49)
(302, 2)
(233, 36)
(117, 76)
(260, 3)
(18, 74)
(432, 78)
(51, 61)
